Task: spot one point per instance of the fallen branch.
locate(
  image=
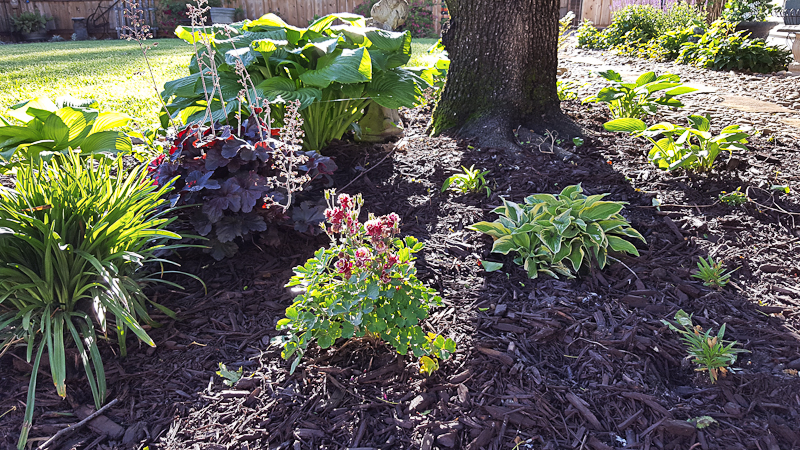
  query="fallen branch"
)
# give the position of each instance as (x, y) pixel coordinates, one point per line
(77, 425)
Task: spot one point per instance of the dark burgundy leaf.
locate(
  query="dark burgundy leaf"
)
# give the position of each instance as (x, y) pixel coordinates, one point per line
(215, 160)
(197, 181)
(232, 146)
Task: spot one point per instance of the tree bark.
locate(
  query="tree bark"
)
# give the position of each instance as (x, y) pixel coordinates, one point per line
(503, 61)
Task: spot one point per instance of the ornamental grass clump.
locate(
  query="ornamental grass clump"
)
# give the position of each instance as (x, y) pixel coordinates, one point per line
(77, 239)
(364, 284)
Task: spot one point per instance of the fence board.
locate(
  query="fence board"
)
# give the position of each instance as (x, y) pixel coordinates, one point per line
(598, 11)
(294, 12)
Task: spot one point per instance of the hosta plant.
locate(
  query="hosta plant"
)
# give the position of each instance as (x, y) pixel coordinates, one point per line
(560, 234)
(693, 147)
(50, 128)
(237, 180)
(364, 284)
(77, 239)
(333, 70)
(710, 352)
(642, 97)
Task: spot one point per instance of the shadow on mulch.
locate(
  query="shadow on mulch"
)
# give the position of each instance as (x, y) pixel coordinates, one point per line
(541, 364)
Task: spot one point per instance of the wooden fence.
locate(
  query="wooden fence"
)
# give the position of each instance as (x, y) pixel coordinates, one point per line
(105, 16)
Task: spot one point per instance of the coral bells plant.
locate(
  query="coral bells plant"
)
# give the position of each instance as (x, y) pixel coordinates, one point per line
(240, 179)
(364, 284)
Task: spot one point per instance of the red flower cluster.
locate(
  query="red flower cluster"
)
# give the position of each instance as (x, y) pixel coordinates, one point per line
(371, 254)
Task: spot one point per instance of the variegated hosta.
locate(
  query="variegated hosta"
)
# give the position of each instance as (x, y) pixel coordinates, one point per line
(560, 234)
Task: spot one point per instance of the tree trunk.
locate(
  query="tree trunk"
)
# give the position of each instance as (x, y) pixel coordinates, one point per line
(502, 74)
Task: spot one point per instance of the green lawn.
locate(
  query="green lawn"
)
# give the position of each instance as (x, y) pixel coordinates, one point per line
(111, 72)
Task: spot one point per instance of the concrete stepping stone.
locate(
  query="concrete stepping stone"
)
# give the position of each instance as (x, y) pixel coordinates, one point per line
(748, 104)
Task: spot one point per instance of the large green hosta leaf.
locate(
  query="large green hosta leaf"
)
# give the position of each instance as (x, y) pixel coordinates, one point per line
(394, 88)
(347, 67)
(279, 88)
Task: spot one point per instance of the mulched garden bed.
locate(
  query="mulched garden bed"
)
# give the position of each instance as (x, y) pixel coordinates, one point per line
(541, 364)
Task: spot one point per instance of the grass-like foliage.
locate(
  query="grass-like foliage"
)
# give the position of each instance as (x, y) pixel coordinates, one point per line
(470, 180)
(50, 128)
(710, 352)
(76, 239)
(713, 273)
(642, 97)
(560, 234)
(364, 284)
(692, 148)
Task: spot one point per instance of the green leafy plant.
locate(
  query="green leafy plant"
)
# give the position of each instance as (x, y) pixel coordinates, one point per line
(590, 37)
(692, 148)
(724, 48)
(560, 234)
(364, 284)
(365, 9)
(51, 128)
(566, 90)
(335, 72)
(231, 376)
(471, 180)
(734, 198)
(78, 237)
(710, 352)
(748, 10)
(712, 273)
(642, 97)
(29, 22)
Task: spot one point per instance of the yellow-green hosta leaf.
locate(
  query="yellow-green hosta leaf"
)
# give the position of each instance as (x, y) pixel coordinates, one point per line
(491, 266)
(494, 229)
(621, 245)
(600, 211)
(504, 245)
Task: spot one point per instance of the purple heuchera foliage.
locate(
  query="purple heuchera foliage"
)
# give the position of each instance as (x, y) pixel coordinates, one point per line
(232, 180)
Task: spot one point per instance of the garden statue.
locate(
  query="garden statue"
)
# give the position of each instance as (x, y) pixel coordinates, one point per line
(390, 14)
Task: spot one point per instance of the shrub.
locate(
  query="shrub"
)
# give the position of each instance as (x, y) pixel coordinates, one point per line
(364, 284)
(692, 148)
(723, 48)
(420, 20)
(549, 232)
(76, 237)
(747, 10)
(240, 179)
(710, 352)
(333, 71)
(29, 22)
(564, 24)
(590, 37)
(642, 97)
(51, 128)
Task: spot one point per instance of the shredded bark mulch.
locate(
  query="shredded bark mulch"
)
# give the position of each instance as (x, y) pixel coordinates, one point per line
(541, 364)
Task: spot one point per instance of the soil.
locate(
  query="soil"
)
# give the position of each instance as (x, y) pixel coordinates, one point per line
(541, 364)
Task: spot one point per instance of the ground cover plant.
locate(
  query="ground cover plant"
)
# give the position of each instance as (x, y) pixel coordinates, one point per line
(471, 180)
(693, 148)
(562, 234)
(364, 284)
(77, 240)
(642, 97)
